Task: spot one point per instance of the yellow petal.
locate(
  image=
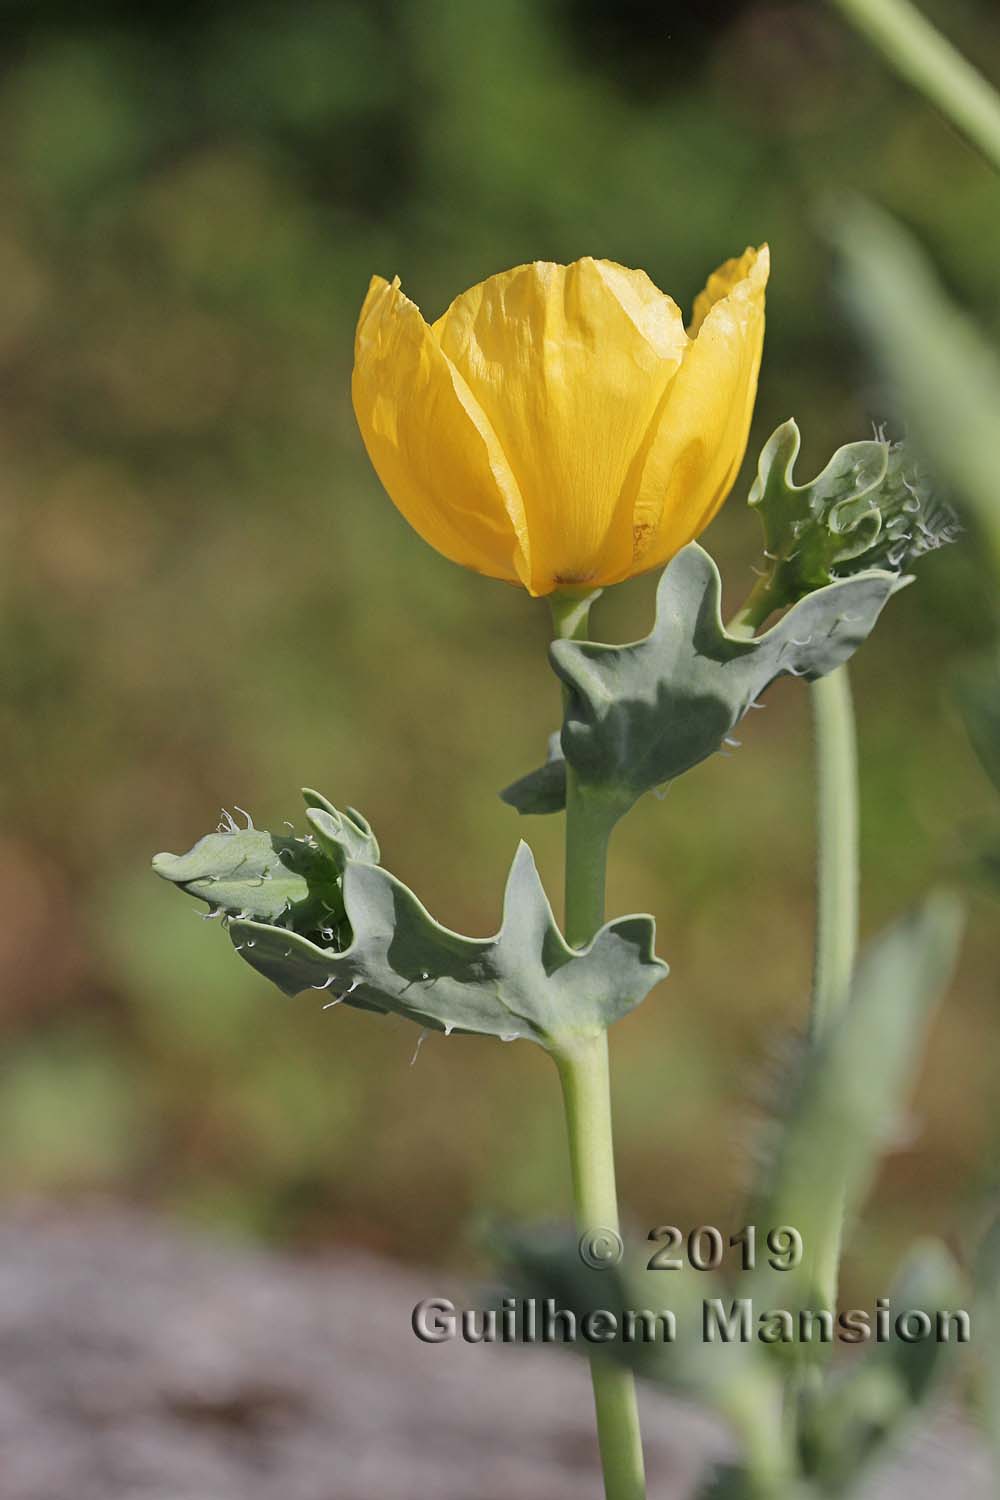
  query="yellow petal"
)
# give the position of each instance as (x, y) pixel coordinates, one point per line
(723, 281)
(699, 436)
(569, 365)
(430, 443)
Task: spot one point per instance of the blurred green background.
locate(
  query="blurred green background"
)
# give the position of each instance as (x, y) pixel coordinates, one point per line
(207, 599)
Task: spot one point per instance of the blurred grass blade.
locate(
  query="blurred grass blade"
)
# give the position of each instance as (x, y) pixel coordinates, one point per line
(936, 69)
(849, 1420)
(851, 1092)
(945, 375)
(978, 692)
(977, 689)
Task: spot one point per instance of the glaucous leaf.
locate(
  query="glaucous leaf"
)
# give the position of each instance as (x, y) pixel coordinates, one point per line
(318, 912)
(639, 715)
(526, 982)
(268, 876)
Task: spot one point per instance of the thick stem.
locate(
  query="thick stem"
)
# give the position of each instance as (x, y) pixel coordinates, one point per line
(588, 830)
(836, 904)
(584, 1075)
(837, 854)
(928, 61)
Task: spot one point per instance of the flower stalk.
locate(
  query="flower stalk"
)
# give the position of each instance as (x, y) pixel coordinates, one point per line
(584, 1075)
(837, 870)
(837, 848)
(585, 1079)
(837, 884)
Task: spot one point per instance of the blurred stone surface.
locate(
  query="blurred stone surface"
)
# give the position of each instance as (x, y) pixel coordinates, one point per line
(140, 1363)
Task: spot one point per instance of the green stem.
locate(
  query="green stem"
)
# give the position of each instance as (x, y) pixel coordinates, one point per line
(588, 830)
(762, 601)
(571, 612)
(584, 1075)
(929, 62)
(583, 1072)
(837, 856)
(836, 904)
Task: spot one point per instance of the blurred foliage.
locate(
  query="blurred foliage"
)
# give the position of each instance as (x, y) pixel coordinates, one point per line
(206, 598)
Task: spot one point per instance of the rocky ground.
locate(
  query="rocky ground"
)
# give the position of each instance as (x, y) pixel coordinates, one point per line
(139, 1363)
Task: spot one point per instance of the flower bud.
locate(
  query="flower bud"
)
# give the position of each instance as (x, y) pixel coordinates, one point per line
(871, 507)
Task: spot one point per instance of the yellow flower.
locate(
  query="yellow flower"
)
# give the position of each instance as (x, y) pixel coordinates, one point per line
(558, 427)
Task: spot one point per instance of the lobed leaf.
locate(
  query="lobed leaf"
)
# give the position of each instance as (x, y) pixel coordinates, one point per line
(640, 715)
(319, 912)
(526, 982)
(267, 876)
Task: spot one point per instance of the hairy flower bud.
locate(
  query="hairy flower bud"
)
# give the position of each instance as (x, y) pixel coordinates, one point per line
(871, 507)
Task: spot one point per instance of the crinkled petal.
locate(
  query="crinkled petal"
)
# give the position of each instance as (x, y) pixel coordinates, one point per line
(569, 365)
(725, 279)
(697, 441)
(431, 444)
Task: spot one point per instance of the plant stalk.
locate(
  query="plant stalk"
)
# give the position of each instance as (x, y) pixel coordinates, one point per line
(584, 1076)
(929, 62)
(837, 881)
(583, 1073)
(837, 851)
